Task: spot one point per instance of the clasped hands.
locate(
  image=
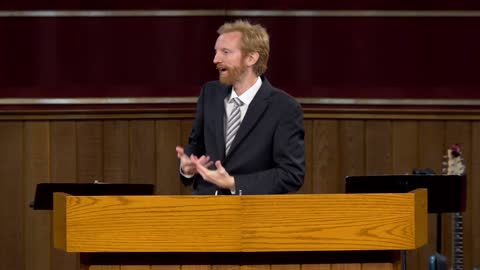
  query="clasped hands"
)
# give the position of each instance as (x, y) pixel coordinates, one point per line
(192, 165)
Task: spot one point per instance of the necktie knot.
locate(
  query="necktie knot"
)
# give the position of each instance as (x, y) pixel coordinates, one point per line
(237, 102)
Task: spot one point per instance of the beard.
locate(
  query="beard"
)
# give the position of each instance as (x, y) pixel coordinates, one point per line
(234, 74)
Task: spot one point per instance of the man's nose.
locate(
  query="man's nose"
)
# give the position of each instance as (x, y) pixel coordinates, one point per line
(216, 59)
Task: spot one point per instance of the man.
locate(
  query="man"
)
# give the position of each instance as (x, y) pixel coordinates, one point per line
(247, 137)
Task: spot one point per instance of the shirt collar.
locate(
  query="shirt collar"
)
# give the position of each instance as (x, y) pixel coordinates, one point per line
(248, 95)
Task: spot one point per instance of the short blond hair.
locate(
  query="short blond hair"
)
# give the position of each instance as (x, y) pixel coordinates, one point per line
(254, 39)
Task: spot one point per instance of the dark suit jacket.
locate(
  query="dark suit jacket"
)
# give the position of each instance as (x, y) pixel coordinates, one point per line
(267, 154)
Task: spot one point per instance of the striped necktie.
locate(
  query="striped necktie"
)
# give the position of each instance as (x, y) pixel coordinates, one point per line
(233, 123)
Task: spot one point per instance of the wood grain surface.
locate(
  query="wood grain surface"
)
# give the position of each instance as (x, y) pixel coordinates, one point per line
(242, 223)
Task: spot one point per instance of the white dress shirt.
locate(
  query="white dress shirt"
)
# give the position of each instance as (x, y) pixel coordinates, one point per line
(246, 98)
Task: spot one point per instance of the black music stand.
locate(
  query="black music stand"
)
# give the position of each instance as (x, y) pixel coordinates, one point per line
(446, 193)
(44, 191)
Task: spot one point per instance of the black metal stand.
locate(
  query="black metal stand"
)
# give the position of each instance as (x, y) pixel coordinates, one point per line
(403, 253)
(439, 233)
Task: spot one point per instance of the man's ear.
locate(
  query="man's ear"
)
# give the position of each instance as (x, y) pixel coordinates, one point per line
(252, 58)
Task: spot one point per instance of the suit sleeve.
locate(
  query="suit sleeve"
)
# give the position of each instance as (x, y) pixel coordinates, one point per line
(287, 174)
(196, 143)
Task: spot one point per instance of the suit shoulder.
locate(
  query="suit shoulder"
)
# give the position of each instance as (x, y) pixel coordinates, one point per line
(212, 85)
(282, 98)
(213, 88)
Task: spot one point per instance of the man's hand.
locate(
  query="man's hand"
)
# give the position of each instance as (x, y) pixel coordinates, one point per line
(186, 164)
(218, 177)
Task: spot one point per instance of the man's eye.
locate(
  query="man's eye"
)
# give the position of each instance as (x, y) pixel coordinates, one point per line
(226, 51)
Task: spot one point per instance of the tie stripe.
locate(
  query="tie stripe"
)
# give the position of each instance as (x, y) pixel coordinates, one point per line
(233, 123)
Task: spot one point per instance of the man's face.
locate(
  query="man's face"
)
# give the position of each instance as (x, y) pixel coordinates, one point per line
(229, 59)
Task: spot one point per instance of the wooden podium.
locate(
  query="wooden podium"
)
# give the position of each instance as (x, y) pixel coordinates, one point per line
(353, 231)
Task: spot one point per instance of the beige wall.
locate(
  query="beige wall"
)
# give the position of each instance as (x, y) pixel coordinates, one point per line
(139, 148)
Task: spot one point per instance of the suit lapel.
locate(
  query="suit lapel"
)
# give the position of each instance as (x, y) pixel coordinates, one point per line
(219, 119)
(255, 110)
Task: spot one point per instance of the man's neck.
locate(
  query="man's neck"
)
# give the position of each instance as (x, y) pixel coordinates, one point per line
(243, 85)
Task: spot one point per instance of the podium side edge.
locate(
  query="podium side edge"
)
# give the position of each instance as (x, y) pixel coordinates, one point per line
(421, 217)
(60, 220)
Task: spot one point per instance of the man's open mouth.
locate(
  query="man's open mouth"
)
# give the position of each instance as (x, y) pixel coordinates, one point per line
(222, 70)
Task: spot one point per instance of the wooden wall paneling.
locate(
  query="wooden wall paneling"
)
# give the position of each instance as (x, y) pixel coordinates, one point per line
(89, 151)
(104, 267)
(378, 266)
(350, 266)
(285, 267)
(352, 149)
(405, 146)
(12, 198)
(166, 267)
(135, 267)
(473, 179)
(307, 187)
(168, 136)
(378, 147)
(460, 132)
(63, 169)
(225, 267)
(142, 151)
(36, 170)
(81, 148)
(431, 141)
(325, 160)
(63, 151)
(186, 129)
(255, 267)
(116, 151)
(196, 267)
(316, 267)
(431, 144)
